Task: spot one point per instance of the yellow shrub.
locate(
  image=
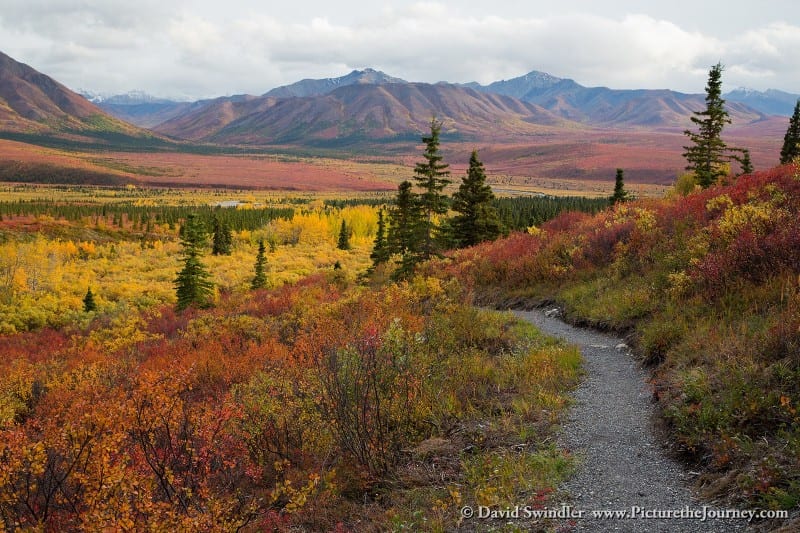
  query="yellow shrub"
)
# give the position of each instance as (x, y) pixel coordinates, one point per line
(759, 217)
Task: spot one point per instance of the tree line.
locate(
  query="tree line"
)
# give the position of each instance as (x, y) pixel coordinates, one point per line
(521, 212)
(128, 214)
(514, 212)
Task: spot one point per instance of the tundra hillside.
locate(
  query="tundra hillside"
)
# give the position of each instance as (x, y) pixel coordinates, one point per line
(708, 285)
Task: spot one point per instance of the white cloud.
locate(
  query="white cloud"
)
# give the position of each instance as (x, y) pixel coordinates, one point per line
(176, 49)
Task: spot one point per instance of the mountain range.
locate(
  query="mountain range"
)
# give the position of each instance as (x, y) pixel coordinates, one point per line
(533, 127)
(354, 113)
(361, 107)
(611, 107)
(371, 103)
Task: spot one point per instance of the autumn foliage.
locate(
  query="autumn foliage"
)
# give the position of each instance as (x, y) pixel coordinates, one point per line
(277, 409)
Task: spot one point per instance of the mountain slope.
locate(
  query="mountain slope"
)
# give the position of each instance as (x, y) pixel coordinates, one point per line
(360, 112)
(312, 87)
(202, 119)
(33, 102)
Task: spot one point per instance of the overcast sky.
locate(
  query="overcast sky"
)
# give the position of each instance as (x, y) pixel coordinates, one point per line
(202, 48)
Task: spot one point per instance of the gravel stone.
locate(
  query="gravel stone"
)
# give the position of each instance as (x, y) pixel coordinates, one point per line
(621, 461)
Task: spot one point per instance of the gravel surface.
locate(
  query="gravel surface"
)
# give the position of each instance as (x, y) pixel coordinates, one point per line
(621, 462)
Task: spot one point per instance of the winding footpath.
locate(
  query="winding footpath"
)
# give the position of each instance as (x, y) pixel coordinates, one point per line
(622, 465)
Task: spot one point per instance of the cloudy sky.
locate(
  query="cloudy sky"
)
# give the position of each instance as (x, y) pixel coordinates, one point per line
(202, 48)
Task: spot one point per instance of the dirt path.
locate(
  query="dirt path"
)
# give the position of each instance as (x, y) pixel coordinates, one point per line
(621, 462)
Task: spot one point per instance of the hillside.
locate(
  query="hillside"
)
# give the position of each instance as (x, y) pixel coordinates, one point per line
(31, 102)
(205, 118)
(359, 113)
(707, 287)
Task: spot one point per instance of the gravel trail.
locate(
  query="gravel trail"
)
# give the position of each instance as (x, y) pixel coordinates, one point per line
(622, 464)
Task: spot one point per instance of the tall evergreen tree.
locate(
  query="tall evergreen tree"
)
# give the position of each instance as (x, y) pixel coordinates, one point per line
(477, 220)
(791, 141)
(344, 237)
(380, 249)
(193, 284)
(620, 194)
(222, 240)
(405, 229)
(706, 154)
(89, 304)
(431, 177)
(260, 277)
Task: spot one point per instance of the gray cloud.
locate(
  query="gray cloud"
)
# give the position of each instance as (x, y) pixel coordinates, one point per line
(195, 50)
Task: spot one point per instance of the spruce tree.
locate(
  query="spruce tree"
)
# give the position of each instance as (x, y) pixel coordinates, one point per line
(742, 157)
(344, 237)
(380, 250)
(260, 277)
(620, 194)
(477, 220)
(222, 239)
(89, 304)
(405, 229)
(431, 177)
(706, 154)
(791, 141)
(747, 165)
(193, 285)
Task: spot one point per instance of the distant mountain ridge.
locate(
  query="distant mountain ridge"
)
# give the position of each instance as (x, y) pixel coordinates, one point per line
(147, 111)
(565, 98)
(606, 107)
(369, 104)
(135, 97)
(540, 88)
(138, 107)
(771, 101)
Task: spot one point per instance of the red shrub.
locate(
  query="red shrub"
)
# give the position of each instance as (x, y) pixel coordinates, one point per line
(602, 243)
(566, 221)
